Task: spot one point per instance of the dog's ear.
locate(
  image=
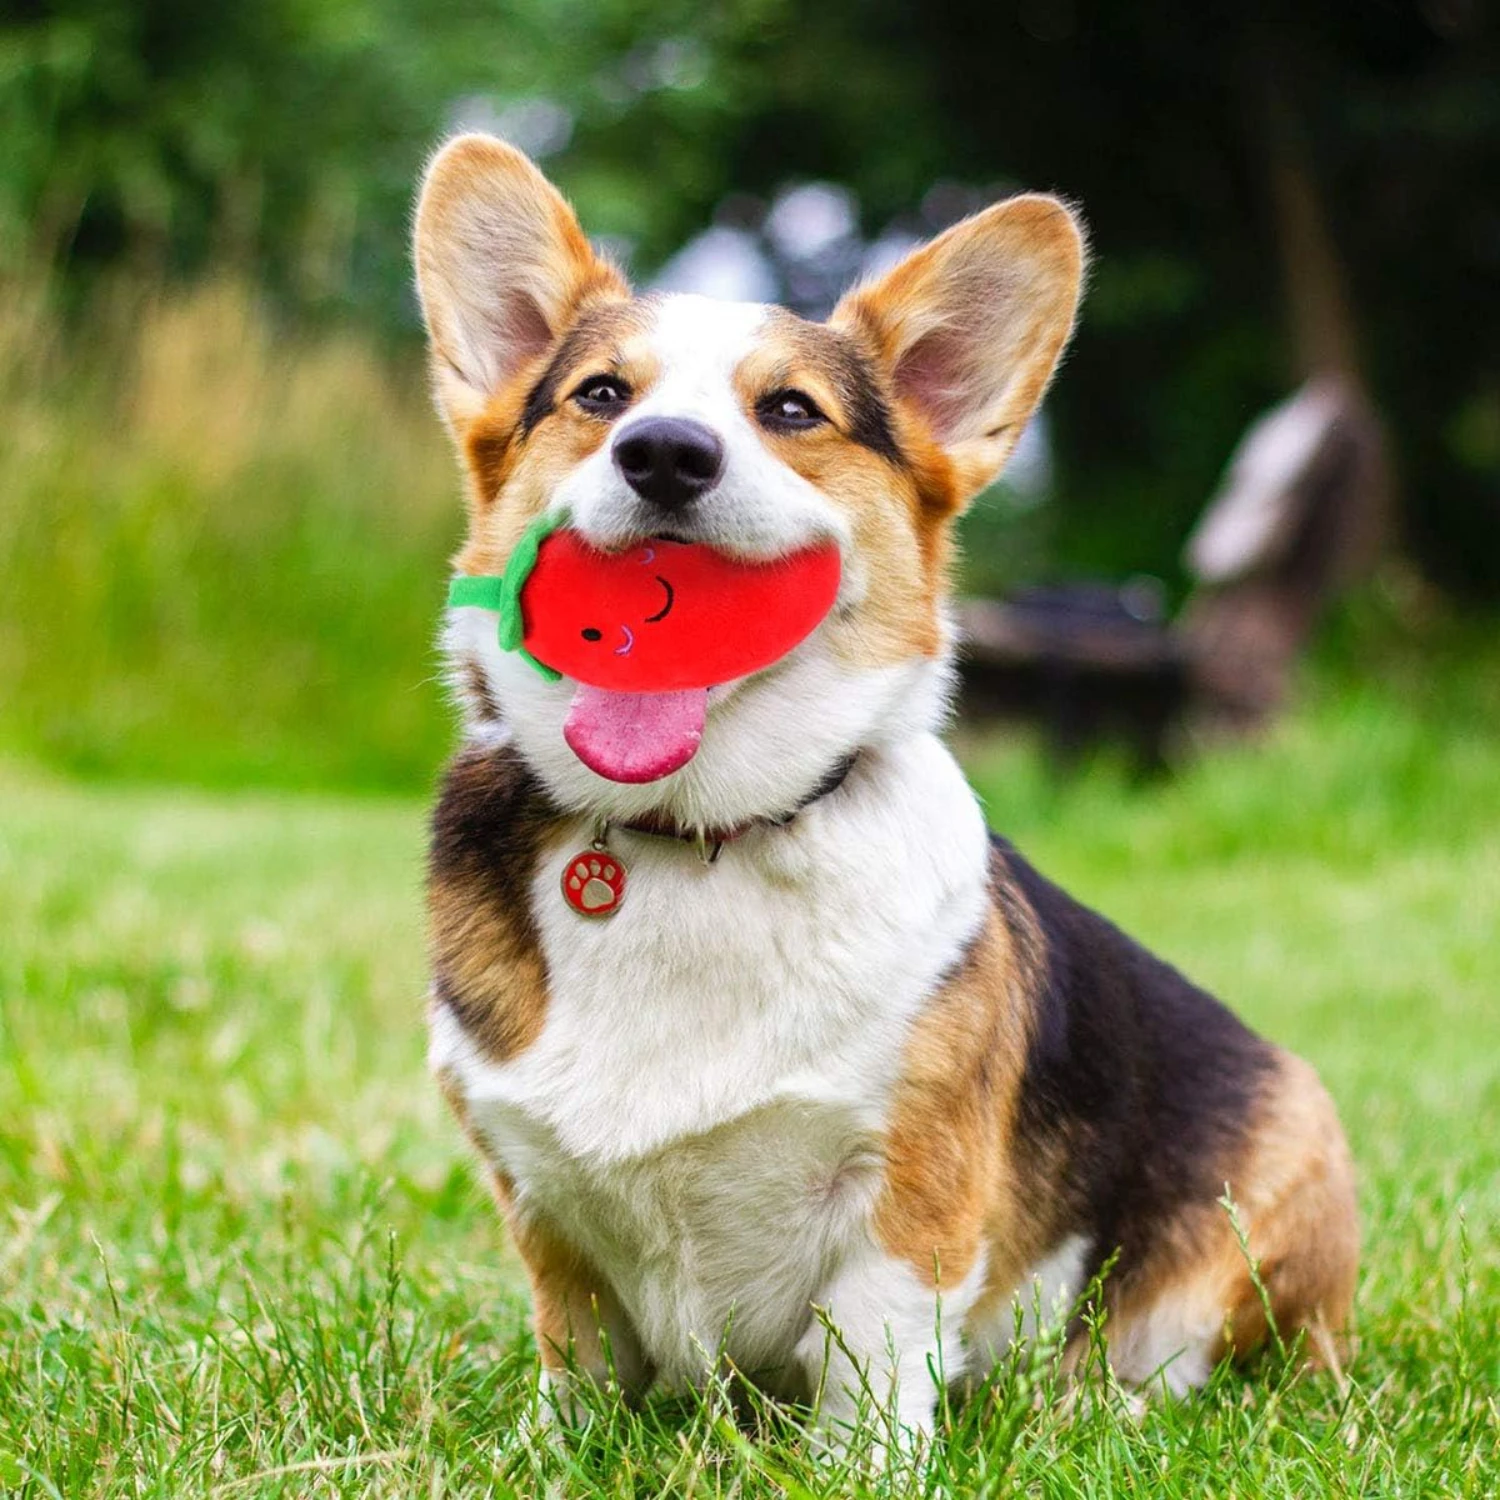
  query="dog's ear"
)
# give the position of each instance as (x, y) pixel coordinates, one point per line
(970, 327)
(502, 269)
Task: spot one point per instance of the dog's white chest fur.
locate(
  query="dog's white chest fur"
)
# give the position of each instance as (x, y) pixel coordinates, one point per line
(702, 1111)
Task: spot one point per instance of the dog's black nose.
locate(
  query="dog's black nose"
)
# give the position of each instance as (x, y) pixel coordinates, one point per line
(669, 461)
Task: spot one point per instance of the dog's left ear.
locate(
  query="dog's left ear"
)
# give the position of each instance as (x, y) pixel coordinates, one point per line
(503, 269)
(970, 327)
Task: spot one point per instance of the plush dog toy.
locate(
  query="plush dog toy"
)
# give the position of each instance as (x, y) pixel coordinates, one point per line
(646, 632)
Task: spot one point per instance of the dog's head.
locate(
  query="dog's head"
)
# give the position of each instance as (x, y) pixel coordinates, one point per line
(740, 426)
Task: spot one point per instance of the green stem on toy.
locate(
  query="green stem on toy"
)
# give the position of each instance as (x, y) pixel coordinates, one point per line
(504, 593)
(482, 593)
(518, 570)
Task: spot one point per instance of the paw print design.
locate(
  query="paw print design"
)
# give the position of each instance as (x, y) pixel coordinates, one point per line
(594, 884)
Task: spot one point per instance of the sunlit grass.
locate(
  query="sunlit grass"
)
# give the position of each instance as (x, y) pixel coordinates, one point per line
(242, 1251)
(223, 544)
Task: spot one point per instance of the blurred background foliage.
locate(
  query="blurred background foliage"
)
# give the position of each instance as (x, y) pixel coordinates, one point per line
(224, 506)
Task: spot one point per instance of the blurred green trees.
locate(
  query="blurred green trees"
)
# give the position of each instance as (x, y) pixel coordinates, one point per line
(1268, 191)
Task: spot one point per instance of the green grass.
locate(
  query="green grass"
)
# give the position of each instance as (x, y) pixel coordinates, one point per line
(242, 1252)
(223, 545)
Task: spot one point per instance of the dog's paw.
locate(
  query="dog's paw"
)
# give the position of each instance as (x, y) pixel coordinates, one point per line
(559, 1411)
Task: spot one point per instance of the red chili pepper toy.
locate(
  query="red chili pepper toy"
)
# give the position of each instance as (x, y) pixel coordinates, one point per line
(646, 632)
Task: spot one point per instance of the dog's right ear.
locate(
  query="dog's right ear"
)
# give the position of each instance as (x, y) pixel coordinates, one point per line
(502, 269)
(970, 327)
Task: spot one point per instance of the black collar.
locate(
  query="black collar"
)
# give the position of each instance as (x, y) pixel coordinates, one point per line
(711, 840)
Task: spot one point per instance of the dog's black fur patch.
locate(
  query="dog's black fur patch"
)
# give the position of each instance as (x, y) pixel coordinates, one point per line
(487, 828)
(1147, 1081)
(490, 815)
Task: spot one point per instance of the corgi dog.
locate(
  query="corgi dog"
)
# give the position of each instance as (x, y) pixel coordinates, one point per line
(865, 1070)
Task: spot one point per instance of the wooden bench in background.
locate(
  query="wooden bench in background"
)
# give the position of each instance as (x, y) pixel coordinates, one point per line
(1301, 514)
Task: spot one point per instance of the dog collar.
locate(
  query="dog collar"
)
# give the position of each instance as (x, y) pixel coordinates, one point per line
(714, 839)
(593, 882)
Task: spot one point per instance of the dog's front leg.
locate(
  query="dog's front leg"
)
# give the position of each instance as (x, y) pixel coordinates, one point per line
(882, 1340)
(582, 1332)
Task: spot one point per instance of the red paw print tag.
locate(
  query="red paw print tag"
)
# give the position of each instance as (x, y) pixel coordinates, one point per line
(593, 883)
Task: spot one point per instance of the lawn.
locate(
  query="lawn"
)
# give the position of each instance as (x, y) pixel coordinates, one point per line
(242, 1251)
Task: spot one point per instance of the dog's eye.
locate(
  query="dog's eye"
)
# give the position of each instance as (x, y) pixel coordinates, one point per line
(602, 395)
(789, 411)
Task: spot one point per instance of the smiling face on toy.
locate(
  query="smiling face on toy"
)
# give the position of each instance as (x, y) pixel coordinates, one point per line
(664, 616)
(740, 431)
(645, 633)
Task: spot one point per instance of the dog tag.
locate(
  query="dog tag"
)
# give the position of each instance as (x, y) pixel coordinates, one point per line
(593, 883)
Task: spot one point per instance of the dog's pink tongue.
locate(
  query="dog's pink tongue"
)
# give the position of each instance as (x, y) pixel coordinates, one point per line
(635, 736)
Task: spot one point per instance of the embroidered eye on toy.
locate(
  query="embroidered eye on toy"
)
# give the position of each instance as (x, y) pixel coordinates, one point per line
(646, 632)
